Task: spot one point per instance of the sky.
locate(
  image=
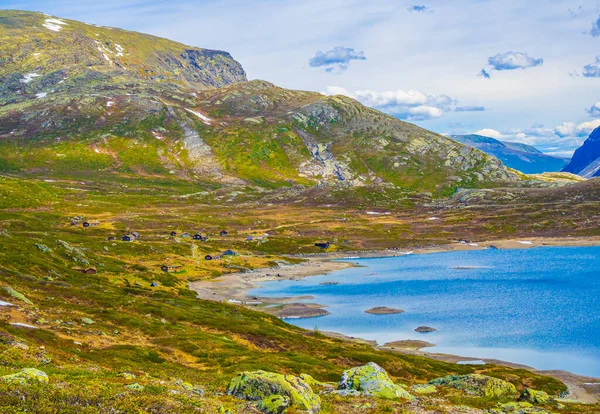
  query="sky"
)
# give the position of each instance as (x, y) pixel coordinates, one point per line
(519, 71)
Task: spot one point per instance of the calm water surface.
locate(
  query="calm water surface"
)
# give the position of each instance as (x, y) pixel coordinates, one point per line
(539, 306)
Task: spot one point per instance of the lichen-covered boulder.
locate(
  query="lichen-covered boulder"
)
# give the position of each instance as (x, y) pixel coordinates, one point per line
(260, 385)
(477, 384)
(371, 380)
(534, 396)
(315, 385)
(135, 387)
(275, 404)
(26, 375)
(423, 389)
(518, 408)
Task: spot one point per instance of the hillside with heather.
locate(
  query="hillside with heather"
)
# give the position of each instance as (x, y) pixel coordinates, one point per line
(133, 168)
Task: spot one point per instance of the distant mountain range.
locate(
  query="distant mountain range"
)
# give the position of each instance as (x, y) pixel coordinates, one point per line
(586, 160)
(522, 157)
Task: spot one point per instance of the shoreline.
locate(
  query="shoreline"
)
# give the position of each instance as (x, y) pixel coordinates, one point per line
(234, 288)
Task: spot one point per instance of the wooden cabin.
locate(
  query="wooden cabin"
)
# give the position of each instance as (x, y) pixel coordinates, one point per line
(171, 268)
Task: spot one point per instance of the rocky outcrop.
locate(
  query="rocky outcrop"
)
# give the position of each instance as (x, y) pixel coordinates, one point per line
(480, 385)
(17, 295)
(274, 392)
(372, 381)
(25, 376)
(534, 396)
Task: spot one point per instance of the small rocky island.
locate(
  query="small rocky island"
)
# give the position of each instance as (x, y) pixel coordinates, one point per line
(383, 310)
(301, 310)
(425, 329)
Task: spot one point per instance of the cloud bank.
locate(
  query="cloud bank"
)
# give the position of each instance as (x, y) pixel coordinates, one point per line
(407, 105)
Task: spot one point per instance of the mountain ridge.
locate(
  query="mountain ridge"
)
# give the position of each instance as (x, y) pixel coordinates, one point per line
(586, 159)
(522, 157)
(123, 109)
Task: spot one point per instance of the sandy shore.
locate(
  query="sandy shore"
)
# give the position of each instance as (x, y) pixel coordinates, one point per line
(234, 288)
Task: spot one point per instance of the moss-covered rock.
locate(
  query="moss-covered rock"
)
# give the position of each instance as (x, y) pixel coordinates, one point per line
(423, 389)
(477, 384)
(534, 396)
(26, 375)
(17, 295)
(135, 387)
(315, 385)
(519, 408)
(275, 404)
(372, 380)
(259, 385)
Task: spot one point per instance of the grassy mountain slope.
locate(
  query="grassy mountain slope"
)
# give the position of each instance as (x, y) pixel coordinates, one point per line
(522, 157)
(81, 99)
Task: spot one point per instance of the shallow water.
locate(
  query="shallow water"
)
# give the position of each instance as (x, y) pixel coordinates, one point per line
(539, 306)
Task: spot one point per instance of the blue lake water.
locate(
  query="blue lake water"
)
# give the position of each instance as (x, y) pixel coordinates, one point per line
(538, 306)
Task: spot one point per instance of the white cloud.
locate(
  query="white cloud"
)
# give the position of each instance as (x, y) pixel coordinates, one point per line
(410, 105)
(513, 60)
(595, 109)
(560, 141)
(488, 132)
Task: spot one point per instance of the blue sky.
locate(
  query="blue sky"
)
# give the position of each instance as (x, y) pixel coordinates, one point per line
(519, 71)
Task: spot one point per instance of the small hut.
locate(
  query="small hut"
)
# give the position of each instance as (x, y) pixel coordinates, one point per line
(126, 238)
(229, 253)
(171, 268)
(135, 234)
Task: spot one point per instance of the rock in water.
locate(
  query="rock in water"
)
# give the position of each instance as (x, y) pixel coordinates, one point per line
(425, 329)
(383, 310)
(275, 392)
(372, 380)
(26, 375)
(477, 384)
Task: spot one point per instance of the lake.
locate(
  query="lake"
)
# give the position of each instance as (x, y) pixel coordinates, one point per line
(537, 306)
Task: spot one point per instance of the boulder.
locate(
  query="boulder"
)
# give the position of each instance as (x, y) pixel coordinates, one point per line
(262, 386)
(135, 387)
(423, 389)
(477, 384)
(275, 404)
(17, 295)
(87, 321)
(519, 408)
(534, 396)
(26, 375)
(372, 380)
